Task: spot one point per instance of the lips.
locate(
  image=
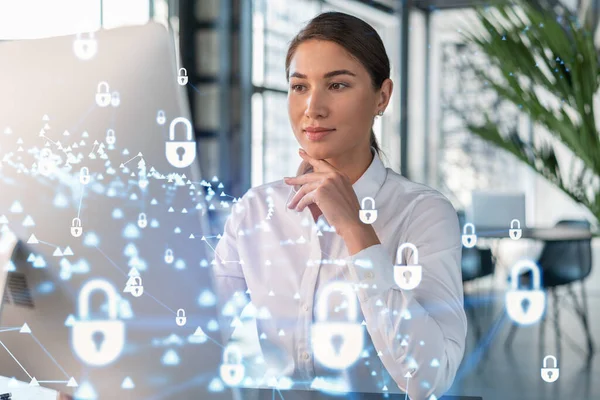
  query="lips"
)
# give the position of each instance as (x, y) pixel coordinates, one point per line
(317, 133)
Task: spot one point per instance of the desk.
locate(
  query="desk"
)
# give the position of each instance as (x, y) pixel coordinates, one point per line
(271, 394)
(546, 234)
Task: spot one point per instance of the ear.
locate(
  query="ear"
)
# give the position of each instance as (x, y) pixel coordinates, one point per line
(385, 94)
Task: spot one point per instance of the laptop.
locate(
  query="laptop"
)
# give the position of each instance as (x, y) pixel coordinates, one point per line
(93, 197)
(494, 211)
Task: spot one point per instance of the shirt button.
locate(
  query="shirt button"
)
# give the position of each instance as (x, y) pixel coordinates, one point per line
(306, 308)
(369, 275)
(305, 355)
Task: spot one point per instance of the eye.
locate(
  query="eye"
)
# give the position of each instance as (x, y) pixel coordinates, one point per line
(339, 83)
(295, 86)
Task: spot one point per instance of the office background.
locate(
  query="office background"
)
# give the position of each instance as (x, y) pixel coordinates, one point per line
(234, 53)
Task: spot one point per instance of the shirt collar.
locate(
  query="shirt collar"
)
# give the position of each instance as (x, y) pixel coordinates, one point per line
(368, 184)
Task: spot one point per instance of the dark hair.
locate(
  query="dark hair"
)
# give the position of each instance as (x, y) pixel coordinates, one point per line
(357, 37)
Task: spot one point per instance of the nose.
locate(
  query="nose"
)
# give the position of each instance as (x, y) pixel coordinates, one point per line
(316, 105)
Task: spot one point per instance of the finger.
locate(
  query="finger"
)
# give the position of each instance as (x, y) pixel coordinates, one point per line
(318, 165)
(302, 192)
(308, 199)
(306, 178)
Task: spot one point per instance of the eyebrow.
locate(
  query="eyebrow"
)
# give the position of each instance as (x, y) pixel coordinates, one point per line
(327, 75)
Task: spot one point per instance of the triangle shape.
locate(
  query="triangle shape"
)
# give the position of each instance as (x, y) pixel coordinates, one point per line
(34, 382)
(72, 383)
(32, 239)
(25, 328)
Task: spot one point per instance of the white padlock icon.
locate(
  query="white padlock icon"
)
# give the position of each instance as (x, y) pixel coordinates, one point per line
(367, 216)
(142, 220)
(181, 154)
(84, 175)
(169, 256)
(45, 163)
(181, 319)
(469, 239)
(407, 276)
(76, 228)
(110, 136)
(515, 233)
(160, 117)
(182, 78)
(85, 47)
(232, 370)
(98, 342)
(134, 286)
(103, 97)
(525, 306)
(115, 99)
(550, 374)
(349, 335)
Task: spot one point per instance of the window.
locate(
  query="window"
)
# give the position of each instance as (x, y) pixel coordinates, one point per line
(32, 19)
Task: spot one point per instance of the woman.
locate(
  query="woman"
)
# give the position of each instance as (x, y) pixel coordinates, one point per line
(295, 266)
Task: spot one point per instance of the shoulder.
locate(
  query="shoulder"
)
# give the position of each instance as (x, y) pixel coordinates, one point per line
(423, 203)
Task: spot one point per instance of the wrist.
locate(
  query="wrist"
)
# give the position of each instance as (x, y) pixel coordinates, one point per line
(358, 237)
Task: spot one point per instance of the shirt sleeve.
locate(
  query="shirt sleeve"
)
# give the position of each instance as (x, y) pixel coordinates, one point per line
(229, 282)
(419, 334)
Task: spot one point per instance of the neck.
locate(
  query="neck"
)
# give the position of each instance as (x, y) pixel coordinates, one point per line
(353, 163)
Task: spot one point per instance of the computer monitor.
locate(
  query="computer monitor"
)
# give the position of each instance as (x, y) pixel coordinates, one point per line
(101, 108)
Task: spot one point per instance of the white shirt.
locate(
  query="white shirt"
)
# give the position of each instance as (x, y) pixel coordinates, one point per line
(282, 260)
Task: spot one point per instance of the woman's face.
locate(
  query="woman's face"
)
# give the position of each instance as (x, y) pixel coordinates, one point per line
(329, 89)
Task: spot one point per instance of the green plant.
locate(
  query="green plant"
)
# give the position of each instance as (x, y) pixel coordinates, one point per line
(549, 50)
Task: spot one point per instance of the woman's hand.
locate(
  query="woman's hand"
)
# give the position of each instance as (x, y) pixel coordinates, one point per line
(331, 191)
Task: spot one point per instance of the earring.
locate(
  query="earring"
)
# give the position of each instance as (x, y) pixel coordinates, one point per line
(380, 113)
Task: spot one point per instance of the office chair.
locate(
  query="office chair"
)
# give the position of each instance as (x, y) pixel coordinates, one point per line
(476, 263)
(563, 263)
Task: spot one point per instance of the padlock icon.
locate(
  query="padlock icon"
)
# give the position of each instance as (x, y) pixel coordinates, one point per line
(169, 256)
(85, 48)
(134, 286)
(407, 276)
(181, 318)
(115, 99)
(232, 370)
(160, 117)
(84, 175)
(102, 95)
(98, 342)
(45, 164)
(110, 137)
(367, 216)
(525, 306)
(181, 154)
(182, 78)
(469, 239)
(76, 228)
(337, 345)
(550, 374)
(515, 232)
(142, 220)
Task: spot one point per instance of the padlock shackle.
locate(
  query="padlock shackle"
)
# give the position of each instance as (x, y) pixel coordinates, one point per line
(516, 271)
(110, 132)
(410, 246)
(84, 169)
(103, 83)
(184, 70)
(84, 298)
(182, 312)
(544, 363)
(142, 216)
(362, 203)
(468, 225)
(187, 124)
(138, 278)
(229, 350)
(76, 219)
(518, 224)
(169, 252)
(323, 301)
